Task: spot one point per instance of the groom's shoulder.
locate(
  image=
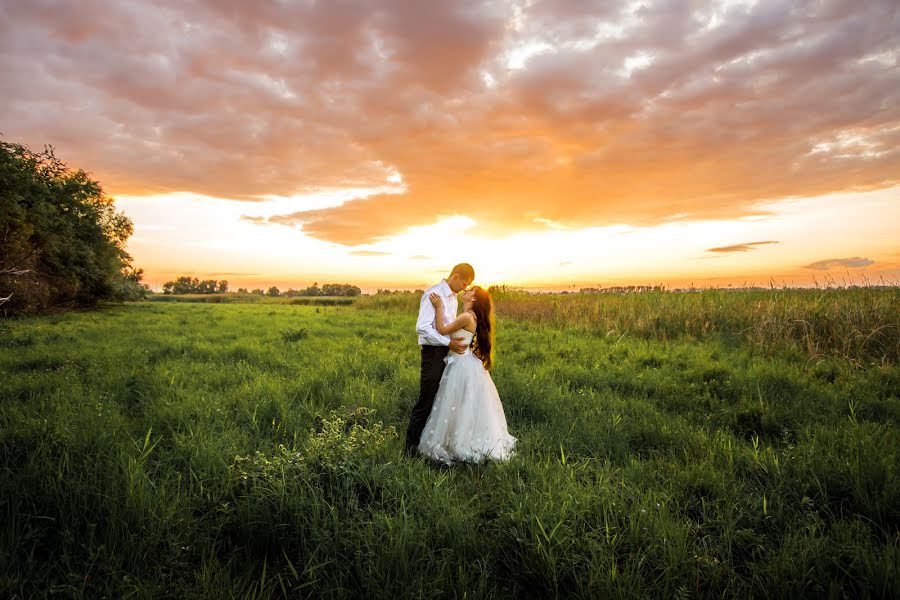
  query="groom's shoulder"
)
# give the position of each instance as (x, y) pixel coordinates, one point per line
(433, 288)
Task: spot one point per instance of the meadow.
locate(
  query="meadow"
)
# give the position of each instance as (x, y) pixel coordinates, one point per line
(235, 298)
(710, 445)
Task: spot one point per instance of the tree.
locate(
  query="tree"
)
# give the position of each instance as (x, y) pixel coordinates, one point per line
(129, 287)
(192, 285)
(273, 291)
(207, 286)
(257, 292)
(183, 285)
(62, 242)
(340, 289)
(11, 273)
(312, 290)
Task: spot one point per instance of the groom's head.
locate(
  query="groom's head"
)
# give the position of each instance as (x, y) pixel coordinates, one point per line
(461, 277)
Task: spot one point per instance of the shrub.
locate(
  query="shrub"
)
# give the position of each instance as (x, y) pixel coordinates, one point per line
(295, 335)
(62, 243)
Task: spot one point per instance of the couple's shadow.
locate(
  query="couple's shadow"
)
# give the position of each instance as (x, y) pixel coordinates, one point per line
(475, 468)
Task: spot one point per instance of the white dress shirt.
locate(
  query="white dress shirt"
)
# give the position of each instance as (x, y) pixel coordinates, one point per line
(428, 335)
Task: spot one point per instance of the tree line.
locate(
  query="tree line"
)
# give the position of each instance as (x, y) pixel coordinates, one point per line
(62, 242)
(192, 285)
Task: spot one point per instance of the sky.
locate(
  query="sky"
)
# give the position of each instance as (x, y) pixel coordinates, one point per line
(552, 144)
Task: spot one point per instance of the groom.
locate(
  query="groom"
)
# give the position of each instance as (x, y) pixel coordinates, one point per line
(434, 347)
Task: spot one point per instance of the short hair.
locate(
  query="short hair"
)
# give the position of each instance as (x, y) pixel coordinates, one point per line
(463, 270)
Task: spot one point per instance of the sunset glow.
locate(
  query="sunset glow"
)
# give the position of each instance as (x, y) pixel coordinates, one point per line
(552, 144)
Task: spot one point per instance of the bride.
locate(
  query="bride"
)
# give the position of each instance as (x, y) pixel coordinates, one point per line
(467, 421)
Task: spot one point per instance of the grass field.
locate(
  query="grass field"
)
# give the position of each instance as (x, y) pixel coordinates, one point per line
(670, 445)
(232, 298)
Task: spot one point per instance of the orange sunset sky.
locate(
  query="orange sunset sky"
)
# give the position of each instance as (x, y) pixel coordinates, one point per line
(551, 144)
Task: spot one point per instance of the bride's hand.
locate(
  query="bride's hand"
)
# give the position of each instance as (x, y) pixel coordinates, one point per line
(435, 300)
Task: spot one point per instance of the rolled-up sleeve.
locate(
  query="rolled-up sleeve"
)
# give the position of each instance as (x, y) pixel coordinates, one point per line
(425, 325)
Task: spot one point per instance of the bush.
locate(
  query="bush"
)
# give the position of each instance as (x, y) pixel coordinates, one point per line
(344, 438)
(62, 243)
(295, 335)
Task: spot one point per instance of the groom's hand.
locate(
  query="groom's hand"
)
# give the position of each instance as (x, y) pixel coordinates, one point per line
(458, 345)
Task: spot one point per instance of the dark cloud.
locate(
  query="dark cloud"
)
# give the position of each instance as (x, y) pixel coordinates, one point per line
(740, 247)
(855, 262)
(609, 114)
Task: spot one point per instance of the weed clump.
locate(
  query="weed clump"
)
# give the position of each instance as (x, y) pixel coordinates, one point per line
(295, 335)
(343, 439)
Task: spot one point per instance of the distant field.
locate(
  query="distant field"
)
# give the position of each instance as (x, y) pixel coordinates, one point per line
(670, 445)
(253, 299)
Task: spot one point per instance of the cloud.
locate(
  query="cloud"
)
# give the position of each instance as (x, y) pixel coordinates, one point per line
(740, 247)
(855, 262)
(369, 253)
(419, 257)
(254, 219)
(551, 114)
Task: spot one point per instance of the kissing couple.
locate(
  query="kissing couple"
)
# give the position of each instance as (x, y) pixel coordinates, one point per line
(458, 416)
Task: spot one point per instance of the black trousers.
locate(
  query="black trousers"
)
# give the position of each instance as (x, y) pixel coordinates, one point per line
(429, 380)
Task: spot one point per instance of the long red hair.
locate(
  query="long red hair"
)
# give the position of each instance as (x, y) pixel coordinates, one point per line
(483, 344)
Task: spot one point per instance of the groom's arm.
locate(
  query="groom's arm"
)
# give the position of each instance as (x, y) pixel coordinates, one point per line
(425, 324)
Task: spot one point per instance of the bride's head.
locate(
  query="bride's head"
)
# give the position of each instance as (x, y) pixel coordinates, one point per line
(479, 302)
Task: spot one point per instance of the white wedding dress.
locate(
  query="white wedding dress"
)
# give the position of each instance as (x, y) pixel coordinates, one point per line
(466, 421)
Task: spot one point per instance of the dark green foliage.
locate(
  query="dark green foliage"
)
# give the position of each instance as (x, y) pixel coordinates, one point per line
(322, 301)
(62, 243)
(191, 285)
(330, 289)
(184, 460)
(294, 335)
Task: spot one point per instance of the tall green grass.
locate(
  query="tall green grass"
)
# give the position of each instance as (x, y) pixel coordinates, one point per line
(192, 450)
(860, 324)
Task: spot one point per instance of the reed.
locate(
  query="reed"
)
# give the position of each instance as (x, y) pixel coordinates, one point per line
(859, 324)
